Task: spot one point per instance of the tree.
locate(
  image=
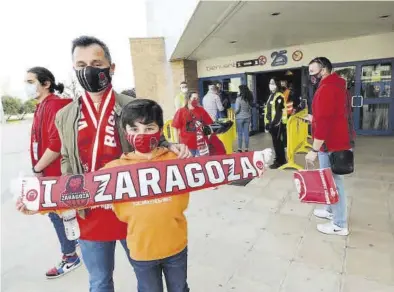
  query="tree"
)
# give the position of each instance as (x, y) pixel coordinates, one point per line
(129, 92)
(11, 105)
(71, 90)
(27, 107)
(30, 106)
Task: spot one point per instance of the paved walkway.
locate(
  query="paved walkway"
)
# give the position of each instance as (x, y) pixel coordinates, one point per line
(250, 239)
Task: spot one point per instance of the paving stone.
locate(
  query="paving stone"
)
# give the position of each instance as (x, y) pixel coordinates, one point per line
(302, 278)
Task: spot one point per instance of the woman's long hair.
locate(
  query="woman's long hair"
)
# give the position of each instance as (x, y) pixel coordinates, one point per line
(245, 94)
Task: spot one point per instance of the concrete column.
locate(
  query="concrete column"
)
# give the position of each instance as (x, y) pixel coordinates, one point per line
(155, 77)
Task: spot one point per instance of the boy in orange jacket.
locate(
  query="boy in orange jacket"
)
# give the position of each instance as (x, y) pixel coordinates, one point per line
(157, 229)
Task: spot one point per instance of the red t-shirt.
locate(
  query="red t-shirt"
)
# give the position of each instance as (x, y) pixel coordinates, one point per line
(99, 224)
(185, 120)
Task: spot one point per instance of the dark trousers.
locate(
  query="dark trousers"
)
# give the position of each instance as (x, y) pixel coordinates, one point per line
(279, 145)
(284, 134)
(149, 274)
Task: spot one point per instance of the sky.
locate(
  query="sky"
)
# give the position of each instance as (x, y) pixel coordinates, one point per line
(39, 33)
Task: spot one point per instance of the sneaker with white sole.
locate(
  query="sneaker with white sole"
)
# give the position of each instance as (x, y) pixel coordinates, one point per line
(323, 213)
(332, 229)
(67, 264)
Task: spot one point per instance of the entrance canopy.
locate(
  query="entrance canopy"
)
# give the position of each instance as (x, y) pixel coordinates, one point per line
(225, 28)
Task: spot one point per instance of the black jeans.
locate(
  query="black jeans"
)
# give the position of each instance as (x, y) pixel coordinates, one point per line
(279, 145)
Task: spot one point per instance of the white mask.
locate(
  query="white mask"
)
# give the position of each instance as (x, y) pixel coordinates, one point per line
(31, 90)
(272, 87)
(184, 90)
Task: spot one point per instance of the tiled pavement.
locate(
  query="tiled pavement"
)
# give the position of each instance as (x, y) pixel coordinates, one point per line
(250, 239)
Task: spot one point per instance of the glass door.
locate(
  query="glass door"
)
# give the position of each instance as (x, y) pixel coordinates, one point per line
(370, 84)
(230, 84)
(349, 74)
(375, 110)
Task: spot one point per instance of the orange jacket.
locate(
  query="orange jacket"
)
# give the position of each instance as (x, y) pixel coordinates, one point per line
(157, 228)
(289, 104)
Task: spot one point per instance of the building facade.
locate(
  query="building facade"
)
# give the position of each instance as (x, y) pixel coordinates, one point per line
(249, 42)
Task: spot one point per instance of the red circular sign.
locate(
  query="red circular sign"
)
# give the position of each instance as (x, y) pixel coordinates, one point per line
(31, 195)
(259, 164)
(262, 60)
(297, 55)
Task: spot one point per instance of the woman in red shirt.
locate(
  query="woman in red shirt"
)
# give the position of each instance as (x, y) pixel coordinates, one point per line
(188, 119)
(45, 152)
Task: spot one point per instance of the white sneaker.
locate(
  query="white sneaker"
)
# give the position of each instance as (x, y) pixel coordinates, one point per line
(332, 229)
(323, 213)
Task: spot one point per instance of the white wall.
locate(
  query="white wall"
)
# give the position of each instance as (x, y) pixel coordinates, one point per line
(168, 19)
(355, 49)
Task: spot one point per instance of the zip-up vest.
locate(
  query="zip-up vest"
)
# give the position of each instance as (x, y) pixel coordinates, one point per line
(273, 110)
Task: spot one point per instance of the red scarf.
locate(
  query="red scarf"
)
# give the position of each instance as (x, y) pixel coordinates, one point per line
(202, 146)
(98, 139)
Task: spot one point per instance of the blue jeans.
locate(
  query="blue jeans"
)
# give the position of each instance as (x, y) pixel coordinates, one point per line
(195, 153)
(67, 246)
(99, 259)
(149, 273)
(339, 210)
(243, 132)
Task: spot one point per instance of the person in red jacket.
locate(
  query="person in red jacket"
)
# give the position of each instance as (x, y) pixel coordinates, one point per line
(45, 152)
(332, 130)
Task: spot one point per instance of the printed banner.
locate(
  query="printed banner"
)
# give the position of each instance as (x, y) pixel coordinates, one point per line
(137, 182)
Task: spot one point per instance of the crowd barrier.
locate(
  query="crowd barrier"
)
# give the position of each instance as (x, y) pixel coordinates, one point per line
(297, 139)
(168, 131)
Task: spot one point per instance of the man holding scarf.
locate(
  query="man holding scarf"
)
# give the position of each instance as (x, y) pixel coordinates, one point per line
(92, 136)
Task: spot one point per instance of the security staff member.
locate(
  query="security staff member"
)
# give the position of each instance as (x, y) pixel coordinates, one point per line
(275, 122)
(288, 97)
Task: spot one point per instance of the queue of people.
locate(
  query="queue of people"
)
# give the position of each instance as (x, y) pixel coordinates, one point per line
(104, 129)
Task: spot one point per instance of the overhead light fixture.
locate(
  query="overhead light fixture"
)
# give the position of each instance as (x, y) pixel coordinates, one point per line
(275, 14)
(384, 16)
(233, 42)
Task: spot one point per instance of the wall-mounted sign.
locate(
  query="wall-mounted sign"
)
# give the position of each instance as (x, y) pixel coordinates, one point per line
(262, 60)
(247, 63)
(218, 67)
(279, 58)
(297, 55)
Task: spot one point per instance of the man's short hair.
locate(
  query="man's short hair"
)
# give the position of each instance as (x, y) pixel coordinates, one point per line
(183, 82)
(324, 62)
(86, 41)
(144, 111)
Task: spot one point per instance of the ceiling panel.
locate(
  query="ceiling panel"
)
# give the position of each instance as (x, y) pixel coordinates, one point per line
(215, 24)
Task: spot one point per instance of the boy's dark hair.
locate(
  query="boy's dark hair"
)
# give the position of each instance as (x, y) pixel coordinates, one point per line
(44, 75)
(86, 41)
(144, 111)
(324, 62)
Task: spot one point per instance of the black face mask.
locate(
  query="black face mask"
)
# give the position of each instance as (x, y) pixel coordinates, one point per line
(315, 79)
(94, 79)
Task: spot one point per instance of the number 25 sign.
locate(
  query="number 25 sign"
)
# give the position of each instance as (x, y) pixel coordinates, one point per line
(279, 58)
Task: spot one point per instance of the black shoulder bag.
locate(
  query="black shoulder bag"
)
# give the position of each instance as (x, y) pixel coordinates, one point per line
(342, 162)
